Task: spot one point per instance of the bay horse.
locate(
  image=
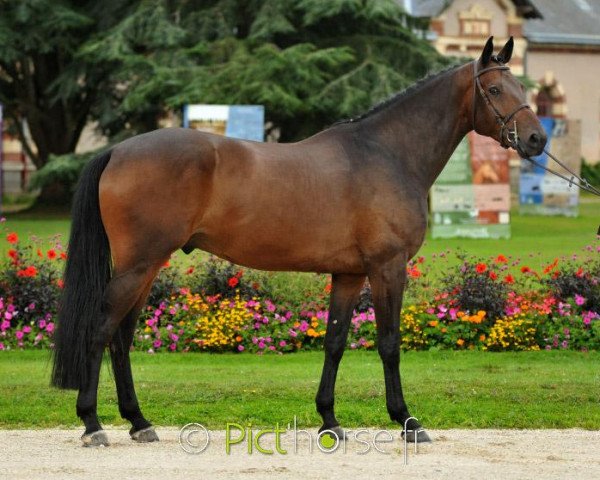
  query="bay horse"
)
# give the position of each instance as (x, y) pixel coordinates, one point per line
(350, 201)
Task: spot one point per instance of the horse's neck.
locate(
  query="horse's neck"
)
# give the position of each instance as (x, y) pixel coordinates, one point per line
(424, 128)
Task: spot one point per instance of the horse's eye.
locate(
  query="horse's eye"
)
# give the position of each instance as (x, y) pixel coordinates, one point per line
(494, 91)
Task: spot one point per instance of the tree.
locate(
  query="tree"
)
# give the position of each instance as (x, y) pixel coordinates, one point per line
(126, 63)
(43, 84)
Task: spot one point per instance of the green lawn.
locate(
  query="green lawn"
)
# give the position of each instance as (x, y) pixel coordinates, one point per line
(444, 389)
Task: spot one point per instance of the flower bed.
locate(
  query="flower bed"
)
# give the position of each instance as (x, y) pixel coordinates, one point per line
(495, 304)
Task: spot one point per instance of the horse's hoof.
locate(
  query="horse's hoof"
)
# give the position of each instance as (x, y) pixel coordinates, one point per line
(95, 439)
(339, 431)
(146, 435)
(422, 436)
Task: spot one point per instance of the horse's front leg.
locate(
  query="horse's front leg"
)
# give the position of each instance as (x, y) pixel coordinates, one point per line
(387, 286)
(345, 290)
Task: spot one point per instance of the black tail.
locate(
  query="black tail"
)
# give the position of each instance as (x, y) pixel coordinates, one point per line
(86, 275)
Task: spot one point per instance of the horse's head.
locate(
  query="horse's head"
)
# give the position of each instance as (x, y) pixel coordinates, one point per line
(499, 108)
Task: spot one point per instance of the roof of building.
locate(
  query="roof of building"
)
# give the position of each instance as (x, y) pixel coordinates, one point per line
(432, 8)
(574, 22)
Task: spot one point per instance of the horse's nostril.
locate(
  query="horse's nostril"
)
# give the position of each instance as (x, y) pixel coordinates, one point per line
(534, 139)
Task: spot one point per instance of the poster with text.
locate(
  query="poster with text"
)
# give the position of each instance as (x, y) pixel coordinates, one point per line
(246, 122)
(471, 197)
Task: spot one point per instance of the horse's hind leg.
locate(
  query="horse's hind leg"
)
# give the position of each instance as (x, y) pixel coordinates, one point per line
(141, 429)
(121, 295)
(344, 296)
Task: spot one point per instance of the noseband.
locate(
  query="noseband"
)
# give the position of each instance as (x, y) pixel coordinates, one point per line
(508, 137)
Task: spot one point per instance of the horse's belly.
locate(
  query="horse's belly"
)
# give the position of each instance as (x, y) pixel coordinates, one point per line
(282, 252)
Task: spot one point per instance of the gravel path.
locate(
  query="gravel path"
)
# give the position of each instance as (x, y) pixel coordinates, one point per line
(464, 454)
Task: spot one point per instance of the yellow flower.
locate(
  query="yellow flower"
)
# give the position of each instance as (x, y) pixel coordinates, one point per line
(460, 342)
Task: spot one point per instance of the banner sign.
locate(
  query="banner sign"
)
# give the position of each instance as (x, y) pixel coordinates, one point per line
(246, 122)
(541, 193)
(471, 197)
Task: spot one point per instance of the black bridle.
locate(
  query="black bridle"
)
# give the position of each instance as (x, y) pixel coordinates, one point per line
(508, 137)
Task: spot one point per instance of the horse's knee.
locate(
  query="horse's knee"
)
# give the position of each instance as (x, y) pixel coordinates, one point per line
(389, 348)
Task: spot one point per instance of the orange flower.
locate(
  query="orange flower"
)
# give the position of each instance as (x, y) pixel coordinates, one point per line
(413, 272)
(39, 253)
(460, 342)
(433, 323)
(12, 237)
(501, 259)
(328, 288)
(238, 338)
(51, 254)
(551, 267)
(509, 279)
(444, 329)
(481, 337)
(480, 267)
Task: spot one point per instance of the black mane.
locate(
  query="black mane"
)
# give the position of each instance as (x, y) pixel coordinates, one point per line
(407, 92)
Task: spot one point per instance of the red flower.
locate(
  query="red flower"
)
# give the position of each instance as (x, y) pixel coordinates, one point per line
(60, 283)
(233, 281)
(327, 288)
(501, 259)
(39, 253)
(413, 271)
(51, 254)
(493, 275)
(579, 272)
(30, 271)
(63, 256)
(525, 269)
(509, 279)
(12, 237)
(190, 270)
(239, 274)
(166, 264)
(12, 253)
(480, 267)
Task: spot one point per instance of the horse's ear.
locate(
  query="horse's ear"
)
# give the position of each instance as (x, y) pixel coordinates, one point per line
(507, 50)
(486, 55)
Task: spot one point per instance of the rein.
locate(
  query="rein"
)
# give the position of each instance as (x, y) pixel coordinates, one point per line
(510, 138)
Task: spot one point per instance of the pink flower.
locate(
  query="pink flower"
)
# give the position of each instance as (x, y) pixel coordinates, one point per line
(173, 347)
(8, 315)
(50, 327)
(579, 300)
(174, 337)
(42, 324)
(5, 325)
(157, 343)
(19, 334)
(261, 344)
(282, 343)
(240, 348)
(1, 346)
(26, 329)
